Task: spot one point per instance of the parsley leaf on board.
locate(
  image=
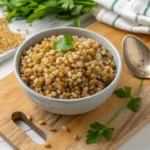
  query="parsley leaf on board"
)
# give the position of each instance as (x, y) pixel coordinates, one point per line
(124, 93)
(134, 104)
(108, 133)
(64, 44)
(98, 130)
(93, 136)
(97, 126)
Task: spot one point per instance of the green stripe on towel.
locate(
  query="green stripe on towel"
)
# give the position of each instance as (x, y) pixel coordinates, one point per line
(114, 22)
(146, 9)
(137, 17)
(131, 28)
(113, 4)
(149, 30)
(135, 26)
(104, 14)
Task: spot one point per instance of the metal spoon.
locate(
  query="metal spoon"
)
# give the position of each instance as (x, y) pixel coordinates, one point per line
(137, 56)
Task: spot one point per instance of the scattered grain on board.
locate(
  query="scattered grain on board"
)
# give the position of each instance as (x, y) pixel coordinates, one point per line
(52, 129)
(81, 72)
(8, 39)
(29, 117)
(27, 31)
(47, 145)
(76, 137)
(42, 122)
(65, 128)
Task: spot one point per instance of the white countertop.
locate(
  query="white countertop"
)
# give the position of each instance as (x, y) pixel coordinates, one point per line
(140, 141)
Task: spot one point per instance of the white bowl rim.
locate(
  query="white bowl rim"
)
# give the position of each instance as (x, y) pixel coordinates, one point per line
(16, 70)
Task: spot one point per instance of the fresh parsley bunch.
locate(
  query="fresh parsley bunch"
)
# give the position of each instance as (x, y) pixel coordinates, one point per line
(98, 130)
(37, 9)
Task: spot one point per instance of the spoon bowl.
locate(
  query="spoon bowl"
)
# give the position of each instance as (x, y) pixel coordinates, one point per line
(137, 56)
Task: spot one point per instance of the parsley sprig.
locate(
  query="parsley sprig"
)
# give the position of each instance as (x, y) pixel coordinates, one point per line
(64, 44)
(98, 130)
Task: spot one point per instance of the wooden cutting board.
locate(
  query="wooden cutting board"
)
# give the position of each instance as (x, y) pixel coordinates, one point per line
(14, 105)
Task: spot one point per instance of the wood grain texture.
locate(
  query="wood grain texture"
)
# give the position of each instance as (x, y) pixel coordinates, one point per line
(15, 105)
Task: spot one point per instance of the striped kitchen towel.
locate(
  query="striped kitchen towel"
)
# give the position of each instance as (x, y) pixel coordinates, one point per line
(130, 15)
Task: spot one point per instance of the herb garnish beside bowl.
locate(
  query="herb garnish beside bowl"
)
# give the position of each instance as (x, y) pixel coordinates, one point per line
(37, 9)
(98, 130)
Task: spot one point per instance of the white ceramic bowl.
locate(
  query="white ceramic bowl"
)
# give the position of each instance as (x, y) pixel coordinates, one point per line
(71, 106)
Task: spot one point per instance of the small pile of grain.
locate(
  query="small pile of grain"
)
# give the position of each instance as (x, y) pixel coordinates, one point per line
(8, 39)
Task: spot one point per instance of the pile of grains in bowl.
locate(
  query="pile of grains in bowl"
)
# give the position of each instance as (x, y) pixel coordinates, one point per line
(8, 39)
(80, 72)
